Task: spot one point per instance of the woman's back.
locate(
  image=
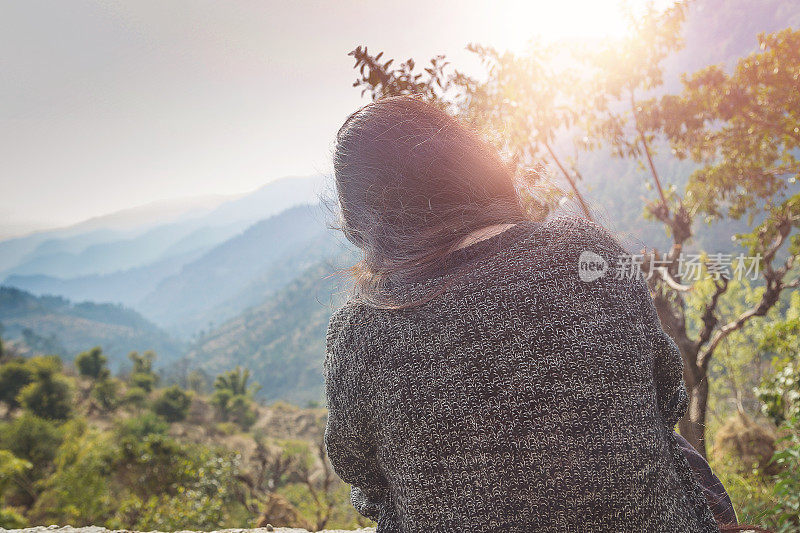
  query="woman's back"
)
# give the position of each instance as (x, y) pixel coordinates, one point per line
(520, 399)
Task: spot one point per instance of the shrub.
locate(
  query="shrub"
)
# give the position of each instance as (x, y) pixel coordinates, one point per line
(173, 404)
(139, 427)
(33, 439)
(105, 392)
(92, 364)
(48, 397)
(135, 396)
(14, 376)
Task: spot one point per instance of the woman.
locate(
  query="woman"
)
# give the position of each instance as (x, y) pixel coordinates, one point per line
(474, 381)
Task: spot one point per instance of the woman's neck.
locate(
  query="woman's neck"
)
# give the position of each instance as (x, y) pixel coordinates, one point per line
(481, 234)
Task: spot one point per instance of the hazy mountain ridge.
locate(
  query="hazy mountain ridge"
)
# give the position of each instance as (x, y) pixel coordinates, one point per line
(80, 326)
(281, 341)
(126, 287)
(187, 299)
(100, 260)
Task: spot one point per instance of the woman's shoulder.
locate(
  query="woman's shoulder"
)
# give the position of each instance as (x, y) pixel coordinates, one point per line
(566, 240)
(573, 230)
(341, 335)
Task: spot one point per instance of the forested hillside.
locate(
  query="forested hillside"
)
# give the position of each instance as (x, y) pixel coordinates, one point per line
(81, 446)
(282, 339)
(54, 325)
(253, 264)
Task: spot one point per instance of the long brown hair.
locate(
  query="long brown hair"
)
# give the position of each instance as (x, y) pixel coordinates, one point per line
(412, 181)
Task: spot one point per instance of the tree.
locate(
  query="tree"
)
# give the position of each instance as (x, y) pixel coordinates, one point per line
(197, 381)
(741, 129)
(173, 404)
(14, 376)
(50, 397)
(92, 364)
(35, 440)
(105, 392)
(142, 375)
(233, 397)
(11, 469)
(49, 394)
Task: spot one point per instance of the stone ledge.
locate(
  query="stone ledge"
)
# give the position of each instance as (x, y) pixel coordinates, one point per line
(96, 529)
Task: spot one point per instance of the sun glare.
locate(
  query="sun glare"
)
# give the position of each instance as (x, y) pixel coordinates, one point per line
(520, 21)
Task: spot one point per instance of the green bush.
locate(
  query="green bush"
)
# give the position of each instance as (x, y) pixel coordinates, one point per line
(139, 427)
(33, 439)
(14, 376)
(142, 375)
(105, 393)
(787, 482)
(233, 398)
(79, 491)
(92, 364)
(135, 396)
(48, 397)
(173, 404)
(11, 468)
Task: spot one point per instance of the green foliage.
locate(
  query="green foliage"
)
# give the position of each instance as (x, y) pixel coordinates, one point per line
(33, 439)
(780, 392)
(11, 470)
(135, 396)
(105, 391)
(139, 427)
(135, 475)
(172, 403)
(10, 467)
(142, 375)
(50, 396)
(787, 486)
(92, 364)
(14, 376)
(10, 519)
(233, 397)
(79, 491)
(180, 487)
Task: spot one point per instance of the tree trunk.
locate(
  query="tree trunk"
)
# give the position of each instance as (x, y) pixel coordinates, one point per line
(693, 425)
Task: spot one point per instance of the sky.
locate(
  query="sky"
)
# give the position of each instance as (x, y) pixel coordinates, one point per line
(109, 105)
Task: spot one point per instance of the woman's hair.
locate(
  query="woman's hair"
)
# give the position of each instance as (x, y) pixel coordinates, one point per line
(412, 181)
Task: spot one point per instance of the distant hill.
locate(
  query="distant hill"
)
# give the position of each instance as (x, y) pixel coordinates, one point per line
(281, 341)
(241, 271)
(126, 287)
(99, 254)
(57, 325)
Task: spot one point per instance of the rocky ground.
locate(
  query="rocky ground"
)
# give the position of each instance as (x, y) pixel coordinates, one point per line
(93, 529)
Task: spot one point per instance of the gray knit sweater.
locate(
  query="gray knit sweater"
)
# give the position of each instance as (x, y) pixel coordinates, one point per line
(523, 399)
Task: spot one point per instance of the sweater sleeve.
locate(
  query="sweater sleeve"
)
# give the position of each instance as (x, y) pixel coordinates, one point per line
(349, 439)
(672, 397)
(671, 394)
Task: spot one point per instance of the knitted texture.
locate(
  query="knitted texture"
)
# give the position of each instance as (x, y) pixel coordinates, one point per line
(522, 399)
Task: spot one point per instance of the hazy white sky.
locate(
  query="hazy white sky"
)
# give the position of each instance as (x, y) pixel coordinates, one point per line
(107, 105)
